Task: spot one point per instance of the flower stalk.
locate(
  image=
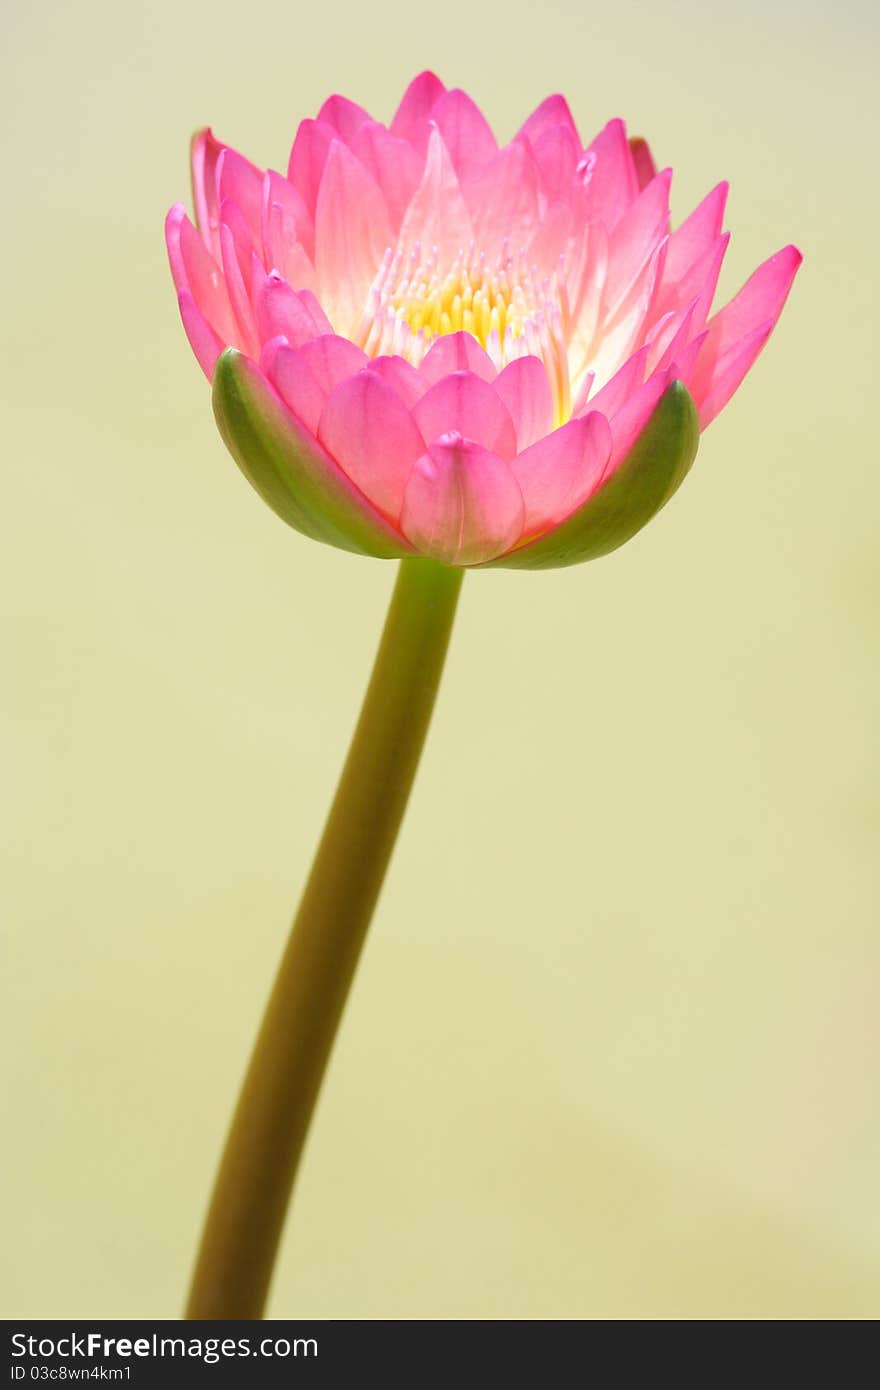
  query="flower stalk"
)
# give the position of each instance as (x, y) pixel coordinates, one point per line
(271, 1121)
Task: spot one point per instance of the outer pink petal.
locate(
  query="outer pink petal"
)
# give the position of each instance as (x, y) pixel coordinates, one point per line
(242, 183)
(195, 270)
(712, 391)
(466, 133)
(466, 404)
(608, 175)
(345, 116)
(561, 471)
(373, 437)
(308, 157)
(352, 232)
(554, 112)
(462, 503)
(307, 376)
(762, 297)
(294, 313)
(696, 236)
(456, 352)
(525, 389)
(295, 383)
(204, 152)
(401, 376)
(202, 338)
(437, 214)
(394, 165)
(411, 117)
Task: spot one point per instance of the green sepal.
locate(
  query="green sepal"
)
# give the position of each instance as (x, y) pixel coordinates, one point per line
(289, 469)
(646, 479)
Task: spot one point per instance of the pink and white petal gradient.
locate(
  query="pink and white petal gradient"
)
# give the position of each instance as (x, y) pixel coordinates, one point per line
(476, 335)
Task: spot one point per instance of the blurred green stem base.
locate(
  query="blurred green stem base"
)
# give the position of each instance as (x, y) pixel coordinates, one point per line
(257, 1171)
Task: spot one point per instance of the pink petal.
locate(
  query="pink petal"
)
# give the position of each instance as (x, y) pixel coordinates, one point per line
(525, 389)
(332, 359)
(456, 352)
(204, 153)
(462, 503)
(237, 289)
(401, 376)
(620, 334)
(202, 338)
(713, 390)
(696, 284)
(345, 116)
(762, 297)
(561, 471)
(738, 332)
(556, 153)
(636, 237)
(352, 231)
(584, 286)
(631, 418)
(616, 392)
(554, 112)
(504, 198)
(552, 238)
(294, 313)
(174, 220)
(195, 271)
(287, 231)
(466, 404)
(466, 132)
(308, 157)
(608, 176)
(411, 118)
(696, 235)
(295, 383)
(242, 182)
(394, 165)
(681, 363)
(307, 376)
(670, 335)
(643, 160)
(437, 214)
(373, 437)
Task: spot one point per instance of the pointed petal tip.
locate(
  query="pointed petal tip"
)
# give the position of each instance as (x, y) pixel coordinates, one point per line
(173, 218)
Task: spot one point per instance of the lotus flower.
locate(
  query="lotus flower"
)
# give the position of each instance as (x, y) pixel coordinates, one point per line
(424, 343)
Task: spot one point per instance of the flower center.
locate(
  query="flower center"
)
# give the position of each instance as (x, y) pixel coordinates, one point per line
(505, 304)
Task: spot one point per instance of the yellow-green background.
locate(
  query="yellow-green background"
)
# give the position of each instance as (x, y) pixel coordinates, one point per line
(613, 1049)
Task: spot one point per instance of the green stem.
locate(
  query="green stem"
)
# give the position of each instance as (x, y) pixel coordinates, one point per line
(271, 1121)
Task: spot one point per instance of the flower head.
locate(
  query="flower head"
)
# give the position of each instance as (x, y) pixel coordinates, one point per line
(424, 343)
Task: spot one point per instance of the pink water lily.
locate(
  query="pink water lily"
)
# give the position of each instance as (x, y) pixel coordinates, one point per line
(422, 342)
